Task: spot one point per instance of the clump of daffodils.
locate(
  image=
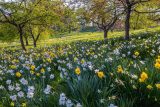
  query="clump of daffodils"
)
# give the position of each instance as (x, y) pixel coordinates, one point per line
(143, 77)
(157, 64)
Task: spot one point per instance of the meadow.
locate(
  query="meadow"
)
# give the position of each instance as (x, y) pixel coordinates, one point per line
(79, 53)
(67, 38)
(83, 71)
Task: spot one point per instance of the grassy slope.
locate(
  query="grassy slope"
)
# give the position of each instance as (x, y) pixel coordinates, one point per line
(81, 36)
(88, 36)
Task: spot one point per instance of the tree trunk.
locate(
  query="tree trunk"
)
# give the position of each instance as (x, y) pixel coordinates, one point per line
(127, 23)
(26, 39)
(21, 38)
(69, 29)
(35, 43)
(105, 34)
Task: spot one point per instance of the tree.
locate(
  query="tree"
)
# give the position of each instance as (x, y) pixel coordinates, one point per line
(36, 31)
(129, 6)
(149, 12)
(140, 21)
(69, 19)
(20, 13)
(103, 13)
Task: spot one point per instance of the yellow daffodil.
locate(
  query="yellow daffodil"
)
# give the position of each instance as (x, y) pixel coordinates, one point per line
(24, 105)
(49, 60)
(32, 72)
(32, 67)
(42, 70)
(18, 74)
(75, 59)
(120, 69)
(158, 86)
(12, 104)
(13, 67)
(143, 77)
(82, 61)
(157, 64)
(100, 74)
(136, 53)
(77, 71)
(38, 74)
(149, 87)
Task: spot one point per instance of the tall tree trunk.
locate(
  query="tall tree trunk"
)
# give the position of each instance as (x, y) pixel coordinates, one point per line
(105, 34)
(21, 38)
(127, 22)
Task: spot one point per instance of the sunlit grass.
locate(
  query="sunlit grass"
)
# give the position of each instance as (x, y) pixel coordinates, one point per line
(78, 36)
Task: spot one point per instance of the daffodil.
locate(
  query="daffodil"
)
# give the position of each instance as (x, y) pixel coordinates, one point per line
(49, 60)
(12, 104)
(38, 74)
(100, 74)
(82, 61)
(77, 71)
(136, 53)
(13, 67)
(157, 64)
(120, 69)
(143, 77)
(149, 87)
(42, 70)
(158, 86)
(32, 72)
(18, 74)
(24, 105)
(32, 67)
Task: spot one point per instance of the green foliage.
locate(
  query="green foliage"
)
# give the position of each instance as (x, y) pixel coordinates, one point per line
(8, 33)
(141, 21)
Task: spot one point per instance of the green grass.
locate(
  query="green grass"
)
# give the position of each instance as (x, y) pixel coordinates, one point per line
(89, 36)
(78, 36)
